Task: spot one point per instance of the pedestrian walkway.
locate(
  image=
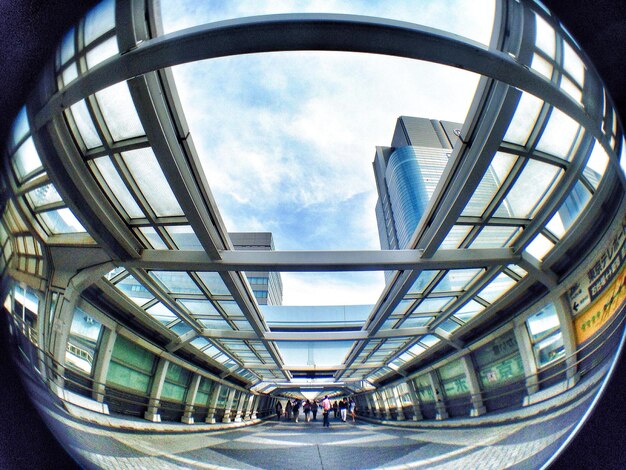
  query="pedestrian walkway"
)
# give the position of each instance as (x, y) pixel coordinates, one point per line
(287, 445)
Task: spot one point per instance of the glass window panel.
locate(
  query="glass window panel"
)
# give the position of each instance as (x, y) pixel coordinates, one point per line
(181, 328)
(549, 350)
(622, 157)
(200, 307)
(414, 322)
(176, 282)
(184, 237)
(118, 187)
(43, 195)
(436, 304)
(533, 185)
(545, 38)
(83, 339)
(102, 52)
(119, 112)
(69, 74)
(542, 66)
(596, 165)
(126, 377)
(524, 119)
(568, 87)
(61, 221)
(517, 270)
(455, 237)
(469, 311)
(402, 307)
(422, 282)
(215, 323)
(496, 288)
(153, 238)
(26, 159)
(424, 389)
(20, 128)
(230, 307)
(429, 340)
(213, 282)
(457, 280)
(99, 20)
(134, 290)
(542, 323)
(558, 135)
(85, 125)
(146, 171)
(125, 351)
(199, 342)
(573, 64)
(539, 247)
(449, 326)
(161, 313)
(498, 170)
(494, 237)
(570, 210)
(67, 46)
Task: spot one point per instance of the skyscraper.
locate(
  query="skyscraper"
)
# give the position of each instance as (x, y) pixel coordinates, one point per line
(267, 287)
(407, 173)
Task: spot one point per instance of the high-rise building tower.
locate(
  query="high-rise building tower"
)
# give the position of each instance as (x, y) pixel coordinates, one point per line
(266, 286)
(407, 173)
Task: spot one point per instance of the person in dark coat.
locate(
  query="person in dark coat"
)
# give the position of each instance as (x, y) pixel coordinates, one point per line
(335, 408)
(314, 406)
(288, 410)
(279, 411)
(296, 410)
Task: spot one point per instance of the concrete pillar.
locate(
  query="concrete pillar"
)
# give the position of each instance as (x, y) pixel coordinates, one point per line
(528, 358)
(42, 319)
(190, 399)
(440, 406)
(375, 412)
(569, 341)
(101, 365)
(255, 406)
(400, 416)
(155, 392)
(415, 400)
(228, 406)
(250, 399)
(212, 403)
(478, 408)
(382, 403)
(242, 400)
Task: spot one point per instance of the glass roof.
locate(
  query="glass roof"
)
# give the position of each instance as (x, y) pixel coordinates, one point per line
(283, 142)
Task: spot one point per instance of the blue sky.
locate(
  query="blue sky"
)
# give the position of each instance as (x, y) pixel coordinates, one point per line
(287, 139)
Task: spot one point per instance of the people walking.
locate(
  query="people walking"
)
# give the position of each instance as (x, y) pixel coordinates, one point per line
(314, 406)
(288, 410)
(279, 411)
(326, 410)
(352, 409)
(343, 409)
(296, 410)
(335, 409)
(307, 411)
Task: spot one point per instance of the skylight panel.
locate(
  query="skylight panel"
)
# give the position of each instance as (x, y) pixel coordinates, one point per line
(573, 64)
(422, 281)
(61, 221)
(469, 311)
(429, 341)
(102, 52)
(455, 237)
(199, 308)
(161, 313)
(572, 207)
(495, 237)
(457, 280)
(99, 20)
(539, 247)
(118, 187)
(119, 112)
(20, 129)
(435, 304)
(545, 38)
(497, 288)
(214, 283)
(176, 282)
(154, 239)
(66, 50)
(596, 165)
(184, 237)
(524, 119)
(542, 66)
(498, 170)
(558, 135)
(26, 160)
(43, 195)
(84, 123)
(134, 290)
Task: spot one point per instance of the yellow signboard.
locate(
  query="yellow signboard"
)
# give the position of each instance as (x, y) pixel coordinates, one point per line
(601, 309)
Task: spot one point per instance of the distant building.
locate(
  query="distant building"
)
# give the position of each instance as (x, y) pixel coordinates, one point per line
(266, 286)
(407, 173)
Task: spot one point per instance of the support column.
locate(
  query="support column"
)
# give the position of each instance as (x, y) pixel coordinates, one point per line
(382, 402)
(478, 408)
(528, 358)
(242, 400)
(190, 399)
(101, 366)
(228, 405)
(374, 410)
(255, 406)
(42, 308)
(155, 392)
(400, 416)
(417, 412)
(246, 416)
(212, 403)
(440, 406)
(569, 341)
